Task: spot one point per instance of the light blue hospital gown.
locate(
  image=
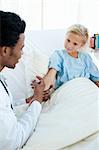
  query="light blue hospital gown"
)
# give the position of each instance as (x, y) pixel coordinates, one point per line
(69, 67)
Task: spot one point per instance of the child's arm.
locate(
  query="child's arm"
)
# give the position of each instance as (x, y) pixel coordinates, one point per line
(49, 78)
(93, 70)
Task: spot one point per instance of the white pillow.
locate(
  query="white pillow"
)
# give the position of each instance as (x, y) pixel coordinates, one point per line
(36, 63)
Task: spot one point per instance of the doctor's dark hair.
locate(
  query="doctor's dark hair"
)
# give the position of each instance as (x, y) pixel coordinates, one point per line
(11, 26)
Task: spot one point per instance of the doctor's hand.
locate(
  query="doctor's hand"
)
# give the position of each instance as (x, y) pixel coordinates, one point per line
(38, 89)
(97, 83)
(47, 93)
(38, 86)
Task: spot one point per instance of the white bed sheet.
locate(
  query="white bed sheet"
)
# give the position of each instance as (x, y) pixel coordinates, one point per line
(89, 143)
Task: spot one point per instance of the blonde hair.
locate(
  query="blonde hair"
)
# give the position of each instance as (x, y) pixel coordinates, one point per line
(80, 30)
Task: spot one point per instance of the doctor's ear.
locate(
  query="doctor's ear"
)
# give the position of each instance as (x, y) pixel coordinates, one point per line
(4, 51)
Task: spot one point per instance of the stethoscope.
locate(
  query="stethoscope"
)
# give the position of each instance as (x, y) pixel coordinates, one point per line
(6, 90)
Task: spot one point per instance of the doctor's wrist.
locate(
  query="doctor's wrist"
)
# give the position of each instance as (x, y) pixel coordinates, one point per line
(36, 98)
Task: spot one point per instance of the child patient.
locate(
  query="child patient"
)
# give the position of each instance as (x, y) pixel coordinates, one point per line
(70, 63)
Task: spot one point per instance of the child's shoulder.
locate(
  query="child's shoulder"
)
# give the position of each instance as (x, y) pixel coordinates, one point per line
(85, 55)
(60, 52)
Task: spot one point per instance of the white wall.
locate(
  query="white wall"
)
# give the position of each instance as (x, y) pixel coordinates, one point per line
(55, 14)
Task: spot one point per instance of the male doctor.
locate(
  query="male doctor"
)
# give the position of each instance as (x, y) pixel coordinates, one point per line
(15, 132)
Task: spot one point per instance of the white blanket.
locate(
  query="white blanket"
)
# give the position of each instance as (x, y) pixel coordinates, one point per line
(71, 115)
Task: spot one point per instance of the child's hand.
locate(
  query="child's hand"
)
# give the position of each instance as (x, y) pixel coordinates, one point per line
(49, 82)
(50, 78)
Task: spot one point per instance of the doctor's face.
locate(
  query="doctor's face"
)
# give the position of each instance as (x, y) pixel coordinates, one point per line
(73, 42)
(14, 54)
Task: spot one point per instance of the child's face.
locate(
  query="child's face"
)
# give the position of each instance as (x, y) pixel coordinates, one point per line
(73, 42)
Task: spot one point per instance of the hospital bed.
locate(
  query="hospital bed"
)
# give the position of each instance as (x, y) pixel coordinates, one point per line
(81, 111)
